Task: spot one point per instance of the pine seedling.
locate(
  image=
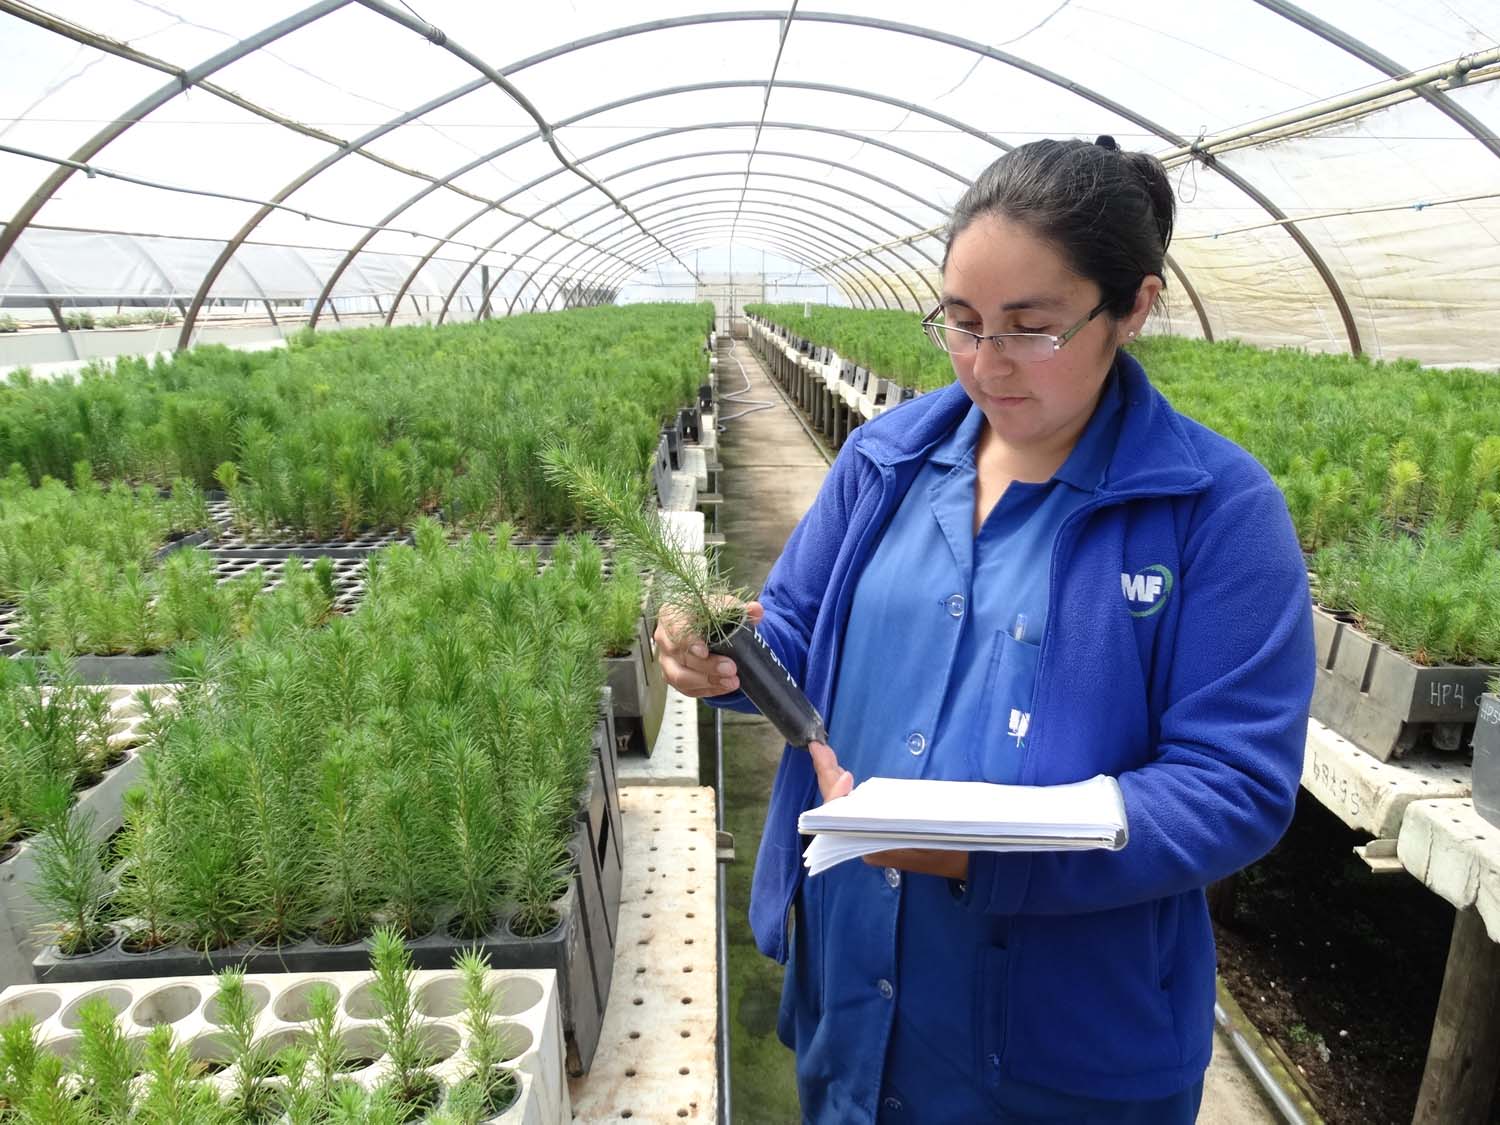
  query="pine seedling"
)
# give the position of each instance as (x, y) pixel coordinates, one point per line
(70, 881)
(300, 1101)
(353, 1106)
(20, 1051)
(345, 865)
(536, 861)
(51, 1101)
(107, 1062)
(618, 504)
(278, 885)
(173, 1095)
(403, 841)
(476, 833)
(328, 1057)
(488, 1049)
(623, 596)
(252, 1096)
(146, 884)
(401, 1032)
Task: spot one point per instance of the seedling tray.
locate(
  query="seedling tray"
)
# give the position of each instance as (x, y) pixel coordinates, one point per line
(1487, 759)
(19, 914)
(580, 948)
(1380, 700)
(639, 691)
(154, 668)
(527, 1009)
(283, 542)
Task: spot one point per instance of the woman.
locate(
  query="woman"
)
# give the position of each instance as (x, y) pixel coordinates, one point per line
(1036, 575)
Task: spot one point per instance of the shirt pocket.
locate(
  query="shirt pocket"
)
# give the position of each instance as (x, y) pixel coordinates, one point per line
(1005, 717)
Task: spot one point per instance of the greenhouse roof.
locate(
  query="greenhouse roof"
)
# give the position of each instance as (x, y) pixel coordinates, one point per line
(1336, 164)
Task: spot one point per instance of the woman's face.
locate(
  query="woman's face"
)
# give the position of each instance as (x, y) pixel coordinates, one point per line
(1002, 278)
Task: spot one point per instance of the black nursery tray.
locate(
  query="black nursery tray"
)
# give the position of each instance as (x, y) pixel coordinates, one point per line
(580, 948)
(348, 584)
(285, 542)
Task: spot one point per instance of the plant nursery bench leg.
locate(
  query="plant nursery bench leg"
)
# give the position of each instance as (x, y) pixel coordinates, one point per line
(1463, 1056)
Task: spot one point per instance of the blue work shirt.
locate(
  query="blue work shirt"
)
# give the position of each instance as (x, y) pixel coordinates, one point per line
(978, 603)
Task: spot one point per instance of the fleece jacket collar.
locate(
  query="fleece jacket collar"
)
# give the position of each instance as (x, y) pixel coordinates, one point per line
(1153, 454)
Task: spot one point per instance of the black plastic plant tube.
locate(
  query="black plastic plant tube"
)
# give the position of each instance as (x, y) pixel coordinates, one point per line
(771, 688)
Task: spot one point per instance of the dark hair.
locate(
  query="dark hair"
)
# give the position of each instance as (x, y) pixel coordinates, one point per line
(1109, 212)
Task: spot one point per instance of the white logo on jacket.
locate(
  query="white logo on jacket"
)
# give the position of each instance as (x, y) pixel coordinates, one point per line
(1020, 723)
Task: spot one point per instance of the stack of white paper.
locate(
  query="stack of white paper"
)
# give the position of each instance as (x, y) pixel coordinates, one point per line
(887, 812)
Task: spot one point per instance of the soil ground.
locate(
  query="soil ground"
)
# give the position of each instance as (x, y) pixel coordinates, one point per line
(1342, 967)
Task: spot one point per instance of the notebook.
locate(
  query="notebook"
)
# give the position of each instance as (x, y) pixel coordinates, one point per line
(887, 812)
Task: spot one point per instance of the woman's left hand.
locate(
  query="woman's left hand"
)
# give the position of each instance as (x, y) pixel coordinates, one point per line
(923, 861)
(835, 781)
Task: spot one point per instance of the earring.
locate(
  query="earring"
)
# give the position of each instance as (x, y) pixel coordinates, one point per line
(1130, 335)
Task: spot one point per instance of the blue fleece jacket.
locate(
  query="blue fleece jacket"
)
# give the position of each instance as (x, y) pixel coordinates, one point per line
(1178, 658)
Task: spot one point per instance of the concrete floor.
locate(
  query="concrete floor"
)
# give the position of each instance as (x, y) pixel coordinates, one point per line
(772, 471)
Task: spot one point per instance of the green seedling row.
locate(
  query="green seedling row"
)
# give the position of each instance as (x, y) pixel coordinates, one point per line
(372, 427)
(888, 342)
(419, 759)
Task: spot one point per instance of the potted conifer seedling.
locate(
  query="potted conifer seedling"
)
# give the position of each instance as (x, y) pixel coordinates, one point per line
(701, 605)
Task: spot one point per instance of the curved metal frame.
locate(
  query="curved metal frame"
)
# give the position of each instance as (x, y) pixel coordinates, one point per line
(805, 235)
(743, 193)
(858, 296)
(791, 253)
(790, 125)
(652, 163)
(189, 77)
(702, 155)
(1036, 71)
(153, 101)
(675, 130)
(1386, 65)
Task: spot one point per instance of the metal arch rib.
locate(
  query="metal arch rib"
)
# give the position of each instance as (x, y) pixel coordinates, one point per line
(851, 282)
(182, 82)
(247, 228)
(592, 233)
(617, 273)
(699, 216)
(1187, 287)
(812, 236)
(538, 134)
(783, 193)
(855, 295)
(1386, 65)
(764, 175)
(697, 156)
(827, 238)
(405, 19)
(1036, 71)
(790, 125)
(699, 87)
(919, 200)
(763, 244)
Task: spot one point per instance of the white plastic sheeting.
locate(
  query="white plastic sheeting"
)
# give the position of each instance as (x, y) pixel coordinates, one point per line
(406, 150)
(75, 266)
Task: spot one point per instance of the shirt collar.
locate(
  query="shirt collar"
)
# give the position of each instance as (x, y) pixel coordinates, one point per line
(1086, 464)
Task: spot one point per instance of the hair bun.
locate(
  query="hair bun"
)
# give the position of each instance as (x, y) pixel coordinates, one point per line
(1106, 141)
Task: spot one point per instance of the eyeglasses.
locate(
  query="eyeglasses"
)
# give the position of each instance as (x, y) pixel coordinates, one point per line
(1024, 347)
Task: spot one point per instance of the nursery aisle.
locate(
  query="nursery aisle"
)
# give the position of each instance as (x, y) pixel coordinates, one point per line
(772, 471)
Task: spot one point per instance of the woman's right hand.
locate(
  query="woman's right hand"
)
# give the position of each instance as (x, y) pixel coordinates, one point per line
(686, 661)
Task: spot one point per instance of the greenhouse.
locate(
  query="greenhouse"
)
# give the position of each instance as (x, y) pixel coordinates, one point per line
(679, 562)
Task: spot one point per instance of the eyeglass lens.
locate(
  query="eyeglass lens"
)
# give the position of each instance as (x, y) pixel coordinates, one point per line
(1017, 345)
